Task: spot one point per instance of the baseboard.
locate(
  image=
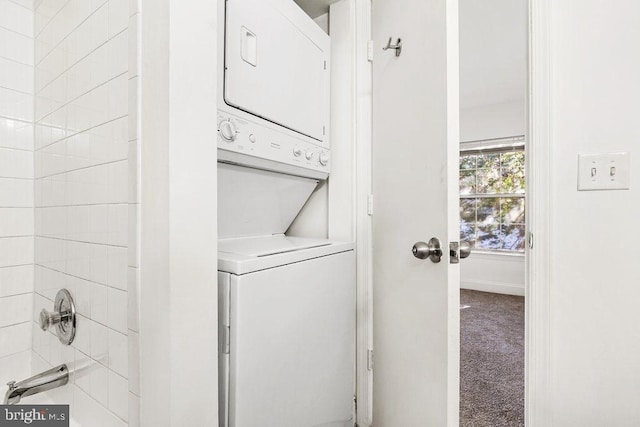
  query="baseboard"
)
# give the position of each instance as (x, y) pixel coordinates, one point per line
(496, 288)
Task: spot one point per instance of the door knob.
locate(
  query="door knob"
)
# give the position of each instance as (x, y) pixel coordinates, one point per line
(458, 250)
(465, 250)
(431, 250)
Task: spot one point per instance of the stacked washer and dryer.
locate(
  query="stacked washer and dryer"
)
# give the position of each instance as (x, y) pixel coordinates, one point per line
(287, 304)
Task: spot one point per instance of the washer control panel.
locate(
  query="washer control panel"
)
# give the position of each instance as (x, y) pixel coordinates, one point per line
(243, 136)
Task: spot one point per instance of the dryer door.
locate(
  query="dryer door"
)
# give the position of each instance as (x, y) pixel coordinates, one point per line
(276, 65)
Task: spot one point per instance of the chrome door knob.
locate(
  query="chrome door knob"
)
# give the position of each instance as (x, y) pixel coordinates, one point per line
(465, 250)
(458, 250)
(431, 250)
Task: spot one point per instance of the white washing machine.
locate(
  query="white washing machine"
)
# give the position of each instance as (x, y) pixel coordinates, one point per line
(287, 319)
(287, 308)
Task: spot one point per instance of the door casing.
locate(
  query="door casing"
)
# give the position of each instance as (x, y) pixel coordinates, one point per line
(537, 315)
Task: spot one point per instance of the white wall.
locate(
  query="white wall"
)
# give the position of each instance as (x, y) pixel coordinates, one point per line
(323, 22)
(493, 67)
(493, 52)
(498, 120)
(177, 213)
(81, 198)
(16, 178)
(312, 221)
(594, 289)
(498, 273)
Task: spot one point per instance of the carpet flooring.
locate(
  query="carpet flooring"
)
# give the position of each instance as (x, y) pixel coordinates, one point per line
(491, 360)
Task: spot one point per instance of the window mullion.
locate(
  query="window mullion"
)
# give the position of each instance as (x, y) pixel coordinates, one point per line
(493, 196)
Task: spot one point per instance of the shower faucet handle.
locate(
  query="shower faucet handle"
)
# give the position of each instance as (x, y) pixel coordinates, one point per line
(63, 317)
(48, 319)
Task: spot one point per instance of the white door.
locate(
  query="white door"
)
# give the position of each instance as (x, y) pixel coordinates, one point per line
(415, 187)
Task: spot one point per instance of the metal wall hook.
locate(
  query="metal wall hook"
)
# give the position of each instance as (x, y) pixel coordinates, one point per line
(397, 46)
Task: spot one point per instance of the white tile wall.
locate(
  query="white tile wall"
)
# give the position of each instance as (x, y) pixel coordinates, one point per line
(16, 17)
(133, 256)
(15, 339)
(81, 197)
(16, 185)
(16, 366)
(15, 309)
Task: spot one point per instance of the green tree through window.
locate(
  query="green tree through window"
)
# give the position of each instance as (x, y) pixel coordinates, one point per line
(492, 200)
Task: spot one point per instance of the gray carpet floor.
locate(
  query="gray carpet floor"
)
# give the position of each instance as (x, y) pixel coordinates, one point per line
(491, 360)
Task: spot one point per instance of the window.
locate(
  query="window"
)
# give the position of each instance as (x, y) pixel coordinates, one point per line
(492, 197)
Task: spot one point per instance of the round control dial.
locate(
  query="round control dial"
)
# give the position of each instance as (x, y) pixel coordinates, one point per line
(323, 158)
(297, 152)
(309, 155)
(227, 130)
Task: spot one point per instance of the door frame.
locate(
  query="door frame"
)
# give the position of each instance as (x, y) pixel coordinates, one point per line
(537, 260)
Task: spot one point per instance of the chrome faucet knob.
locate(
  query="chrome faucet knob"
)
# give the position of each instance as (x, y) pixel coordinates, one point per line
(63, 317)
(49, 319)
(12, 385)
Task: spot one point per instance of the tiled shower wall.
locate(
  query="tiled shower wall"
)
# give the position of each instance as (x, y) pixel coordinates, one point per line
(16, 178)
(81, 201)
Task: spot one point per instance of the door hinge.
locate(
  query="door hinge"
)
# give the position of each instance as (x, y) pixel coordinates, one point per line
(370, 204)
(369, 360)
(530, 239)
(370, 51)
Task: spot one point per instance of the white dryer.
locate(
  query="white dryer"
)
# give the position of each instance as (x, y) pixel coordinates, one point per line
(273, 87)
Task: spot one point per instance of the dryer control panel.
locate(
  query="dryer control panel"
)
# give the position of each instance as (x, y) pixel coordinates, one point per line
(242, 136)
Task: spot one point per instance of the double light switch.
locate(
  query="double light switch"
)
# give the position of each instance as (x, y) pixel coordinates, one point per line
(608, 171)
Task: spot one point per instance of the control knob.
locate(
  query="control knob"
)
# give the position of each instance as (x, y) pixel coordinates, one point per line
(309, 155)
(323, 158)
(297, 152)
(227, 130)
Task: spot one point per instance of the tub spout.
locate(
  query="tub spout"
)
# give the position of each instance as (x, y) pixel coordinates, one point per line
(47, 380)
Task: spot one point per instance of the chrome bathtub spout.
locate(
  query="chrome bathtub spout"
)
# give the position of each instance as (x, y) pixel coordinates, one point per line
(47, 380)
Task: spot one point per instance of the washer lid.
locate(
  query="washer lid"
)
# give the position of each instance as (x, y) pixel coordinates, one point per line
(250, 254)
(268, 245)
(254, 202)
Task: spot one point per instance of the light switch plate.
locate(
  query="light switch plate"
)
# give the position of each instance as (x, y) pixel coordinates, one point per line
(606, 171)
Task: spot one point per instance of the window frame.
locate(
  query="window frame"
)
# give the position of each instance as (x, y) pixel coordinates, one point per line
(494, 146)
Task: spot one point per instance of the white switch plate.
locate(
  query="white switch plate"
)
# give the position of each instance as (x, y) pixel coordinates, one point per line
(607, 171)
